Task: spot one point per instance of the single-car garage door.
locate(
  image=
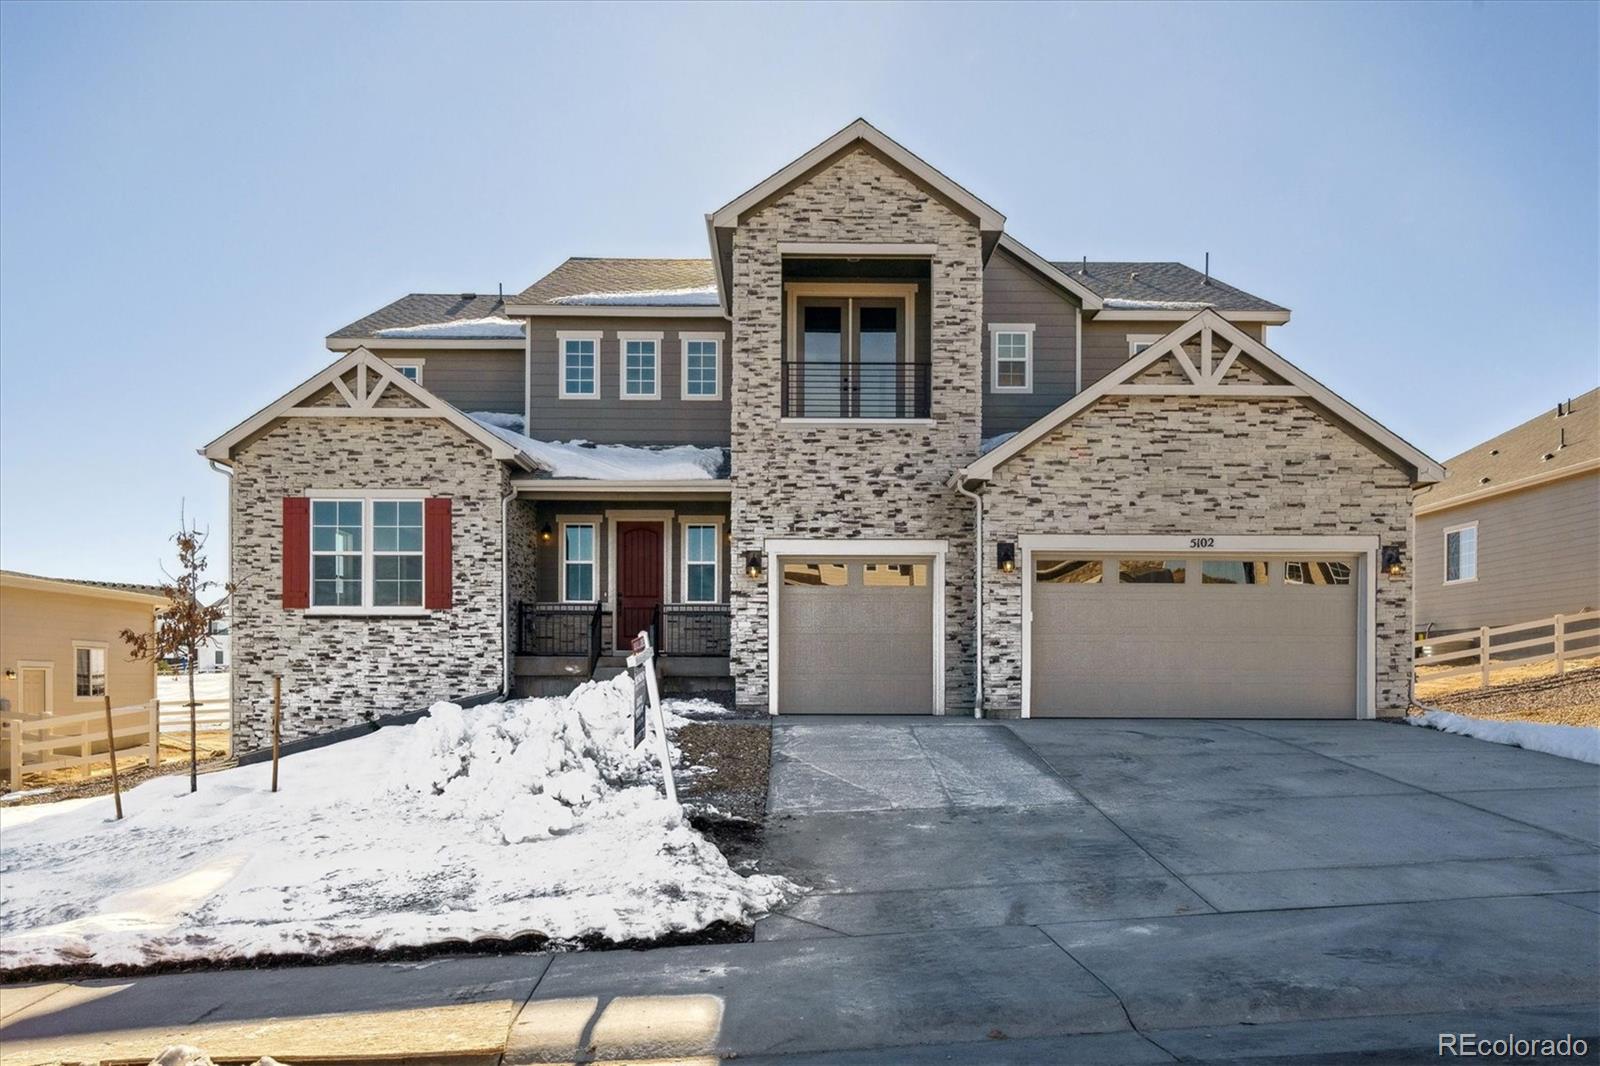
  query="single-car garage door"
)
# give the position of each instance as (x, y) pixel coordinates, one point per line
(855, 636)
(1205, 637)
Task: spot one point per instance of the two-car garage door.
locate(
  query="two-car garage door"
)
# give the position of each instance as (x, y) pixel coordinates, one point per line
(1193, 636)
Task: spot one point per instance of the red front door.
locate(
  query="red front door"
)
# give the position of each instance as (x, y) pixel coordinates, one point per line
(638, 577)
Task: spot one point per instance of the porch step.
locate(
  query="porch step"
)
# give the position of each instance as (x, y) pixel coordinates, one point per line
(603, 672)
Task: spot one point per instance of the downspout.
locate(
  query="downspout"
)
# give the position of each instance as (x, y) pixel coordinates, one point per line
(507, 686)
(233, 702)
(977, 578)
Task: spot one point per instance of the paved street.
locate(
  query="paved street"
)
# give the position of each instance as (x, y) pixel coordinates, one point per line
(1023, 892)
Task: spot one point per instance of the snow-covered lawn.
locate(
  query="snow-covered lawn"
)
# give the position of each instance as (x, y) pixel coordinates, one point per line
(533, 816)
(1568, 741)
(174, 688)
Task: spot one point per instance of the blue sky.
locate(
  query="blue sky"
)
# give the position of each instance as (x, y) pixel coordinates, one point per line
(192, 197)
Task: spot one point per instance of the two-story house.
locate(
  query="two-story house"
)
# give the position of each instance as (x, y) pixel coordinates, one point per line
(872, 455)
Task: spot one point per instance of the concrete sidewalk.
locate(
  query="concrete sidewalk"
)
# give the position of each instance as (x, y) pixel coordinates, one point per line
(1010, 893)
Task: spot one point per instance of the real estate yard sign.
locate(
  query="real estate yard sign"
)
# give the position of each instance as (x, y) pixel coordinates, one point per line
(647, 698)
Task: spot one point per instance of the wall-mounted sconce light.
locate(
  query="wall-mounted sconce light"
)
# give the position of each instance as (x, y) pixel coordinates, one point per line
(546, 535)
(1005, 556)
(752, 564)
(11, 675)
(1391, 561)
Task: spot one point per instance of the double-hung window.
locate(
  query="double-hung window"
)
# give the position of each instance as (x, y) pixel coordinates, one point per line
(366, 553)
(1011, 348)
(577, 562)
(580, 365)
(701, 550)
(640, 365)
(702, 366)
(89, 670)
(1461, 554)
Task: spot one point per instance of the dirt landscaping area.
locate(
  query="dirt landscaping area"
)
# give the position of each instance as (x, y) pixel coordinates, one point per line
(1536, 696)
(70, 783)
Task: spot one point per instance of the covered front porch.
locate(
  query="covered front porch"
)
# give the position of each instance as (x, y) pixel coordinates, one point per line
(599, 564)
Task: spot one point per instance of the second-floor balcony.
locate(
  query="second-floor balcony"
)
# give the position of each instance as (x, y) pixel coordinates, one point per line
(815, 388)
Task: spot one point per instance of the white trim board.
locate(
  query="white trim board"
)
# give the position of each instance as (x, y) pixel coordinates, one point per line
(443, 344)
(1364, 547)
(776, 549)
(362, 403)
(1088, 299)
(1210, 327)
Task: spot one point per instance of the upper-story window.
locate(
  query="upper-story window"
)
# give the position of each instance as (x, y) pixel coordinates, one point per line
(1138, 342)
(1011, 358)
(851, 353)
(702, 366)
(641, 365)
(410, 371)
(580, 365)
(1461, 553)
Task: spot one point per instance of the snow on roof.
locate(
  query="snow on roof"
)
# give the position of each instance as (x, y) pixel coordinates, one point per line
(1155, 305)
(606, 462)
(699, 296)
(493, 326)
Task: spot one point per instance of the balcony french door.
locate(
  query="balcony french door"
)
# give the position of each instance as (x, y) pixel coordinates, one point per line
(850, 361)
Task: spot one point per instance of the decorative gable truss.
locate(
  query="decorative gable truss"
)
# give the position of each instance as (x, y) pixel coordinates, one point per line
(362, 385)
(1210, 356)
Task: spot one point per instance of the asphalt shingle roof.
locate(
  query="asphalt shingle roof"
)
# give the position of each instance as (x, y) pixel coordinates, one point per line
(581, 275)
(1519, 453)
(115, 586)
(423, 309)
(1162, 283)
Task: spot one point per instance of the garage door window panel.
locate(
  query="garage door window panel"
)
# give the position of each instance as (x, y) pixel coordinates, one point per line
(1069, 571)
(1233, 572)
(1317, 573)
(816, 575)
(1152, 571)
(894, 575)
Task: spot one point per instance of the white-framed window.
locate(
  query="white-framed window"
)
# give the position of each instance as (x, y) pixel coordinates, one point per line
(702, 365)
(1138, 342)
(1011, 358)
(1461, 553)
(366, 553)
(88, 669)
(410, 370)
(219, 657)
(640, 365)
(578, 556)
(580, 365)
(702, 559)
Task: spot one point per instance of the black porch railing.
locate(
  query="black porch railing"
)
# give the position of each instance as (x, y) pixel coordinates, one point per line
(693, 629)
(569, 629)
(834, 389)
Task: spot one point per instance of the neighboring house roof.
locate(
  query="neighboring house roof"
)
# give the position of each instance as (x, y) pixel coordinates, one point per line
(1209, 324)
(1547, 448)
(116, 589)
(373, 377)
(432, 316)
(582, 284)
(1162, 287)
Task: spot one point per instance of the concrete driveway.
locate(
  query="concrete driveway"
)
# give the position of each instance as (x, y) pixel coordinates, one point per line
(1120, 891)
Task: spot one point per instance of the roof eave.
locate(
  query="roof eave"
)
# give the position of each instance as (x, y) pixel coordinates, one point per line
(1086, 296)
(1266, 318)
(615, 311)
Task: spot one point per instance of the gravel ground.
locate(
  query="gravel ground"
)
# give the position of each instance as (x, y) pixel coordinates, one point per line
(70, 784)
(1570, 700)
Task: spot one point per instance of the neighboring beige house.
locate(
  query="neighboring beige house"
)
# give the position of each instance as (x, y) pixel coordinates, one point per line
(61, 644)
(872, 454)
(1513, 535)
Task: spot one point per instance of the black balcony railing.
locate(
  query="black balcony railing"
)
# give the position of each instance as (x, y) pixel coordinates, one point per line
(560, 629)
(693, 629)
(818, 389)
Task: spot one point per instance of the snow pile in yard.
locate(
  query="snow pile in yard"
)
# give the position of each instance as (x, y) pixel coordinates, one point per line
(494, 326)
(699, 296)
(1568, 741)
(533, 816)
(608, 462)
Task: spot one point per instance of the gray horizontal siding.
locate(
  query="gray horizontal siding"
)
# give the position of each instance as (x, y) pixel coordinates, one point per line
(1538, 555)
(1014, 294)
(487, 380)
(610, 419)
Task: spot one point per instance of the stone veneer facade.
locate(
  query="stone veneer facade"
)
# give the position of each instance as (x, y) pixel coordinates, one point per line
(841, 482)
(341, 671)
(1195, 465)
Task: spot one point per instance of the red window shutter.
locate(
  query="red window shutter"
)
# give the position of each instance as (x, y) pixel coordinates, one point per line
(436, 588)
(296, 552)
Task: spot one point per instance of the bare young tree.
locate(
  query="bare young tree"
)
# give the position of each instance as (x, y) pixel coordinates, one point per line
(183, 625)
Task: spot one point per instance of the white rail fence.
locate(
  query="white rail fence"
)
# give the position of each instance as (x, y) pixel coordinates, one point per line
(1560, 638)
(209, 716)
(62, 741)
